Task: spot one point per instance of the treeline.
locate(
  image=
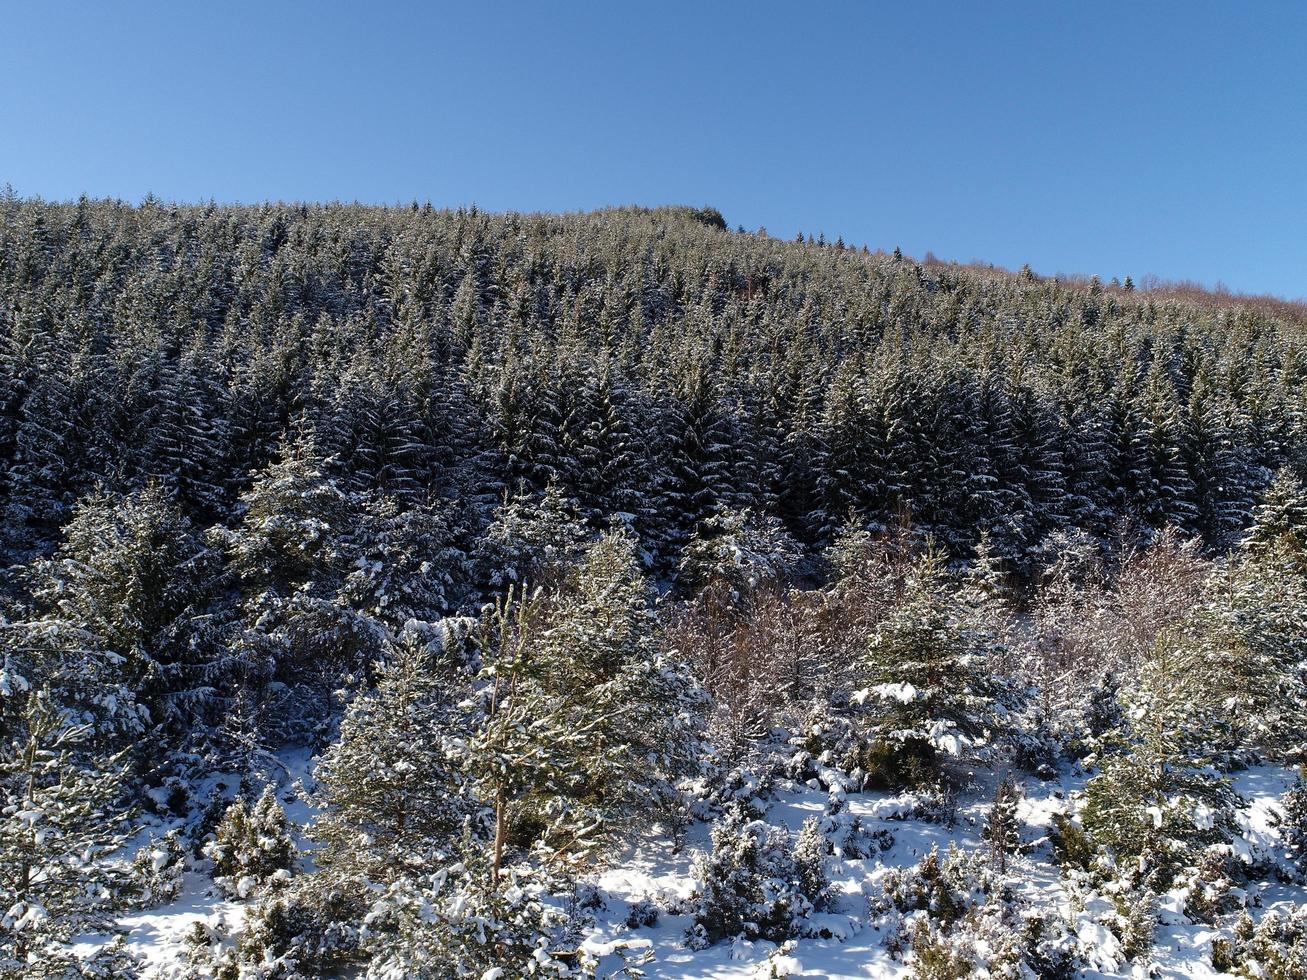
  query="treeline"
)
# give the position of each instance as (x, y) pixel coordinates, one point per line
(648, 364)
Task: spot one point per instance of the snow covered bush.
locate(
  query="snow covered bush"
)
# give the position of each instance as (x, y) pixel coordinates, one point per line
(1003, 940)
(1210, 889)
(157, 870)
(956, 916)
(643, 914)
(309, 929)
(459, 921)
(758, 882)
(1132, 920)
(112, 961)
(251, 849)
(945, 886)
(746, 785)
(1273, 949)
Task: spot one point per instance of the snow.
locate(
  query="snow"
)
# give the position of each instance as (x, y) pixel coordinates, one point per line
(847, 940)
(158, 936)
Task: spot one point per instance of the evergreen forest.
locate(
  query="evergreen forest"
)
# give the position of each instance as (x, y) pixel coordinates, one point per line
(395, 592)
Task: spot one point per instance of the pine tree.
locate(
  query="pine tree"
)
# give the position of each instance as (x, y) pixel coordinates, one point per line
(1002, 828)
(409, 563)
(699, 481)
(391, 799)
(1279, 527)
(521, 755)
(1158, 801)
(530, 538)
(52, 452)
(737, 553)
(289, 555)
(985, 600)
(188, 441)
(1165, 494)
(293, 520)
(252, 850)
(579, 728)
(848, 480)
(643, 709)
(60, 815)
(1224, 475)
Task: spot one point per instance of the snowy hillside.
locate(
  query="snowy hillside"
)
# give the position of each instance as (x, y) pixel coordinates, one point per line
(643, 904)
(391, 593)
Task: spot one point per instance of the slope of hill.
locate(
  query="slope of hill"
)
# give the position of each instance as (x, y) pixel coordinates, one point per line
(407, 593)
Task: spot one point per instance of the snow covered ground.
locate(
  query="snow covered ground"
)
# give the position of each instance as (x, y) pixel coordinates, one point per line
(856, 943)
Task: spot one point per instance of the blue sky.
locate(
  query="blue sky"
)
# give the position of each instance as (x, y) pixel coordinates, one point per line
(1164, 138)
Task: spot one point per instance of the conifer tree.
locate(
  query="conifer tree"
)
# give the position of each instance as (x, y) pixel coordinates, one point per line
(60, 815)
(391, 798)
(408, 562)
(133, 573)
(1279, 526)
(1158, 800)
(521, 757)
(644, 710)
(289, 556)
(579, 727)
(530, 538)
(699, 480)
(251, 849)
(928, 693)
(737, 552)
(1002, 830)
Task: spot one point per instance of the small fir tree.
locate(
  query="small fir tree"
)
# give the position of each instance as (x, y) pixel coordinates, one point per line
(1002, 828)
(390, 797)
(252, 850)
(928, 693)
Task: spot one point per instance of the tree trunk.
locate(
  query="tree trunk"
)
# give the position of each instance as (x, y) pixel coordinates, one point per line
(501, 832)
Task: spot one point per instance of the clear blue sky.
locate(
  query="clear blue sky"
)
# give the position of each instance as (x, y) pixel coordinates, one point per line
(1114, 138)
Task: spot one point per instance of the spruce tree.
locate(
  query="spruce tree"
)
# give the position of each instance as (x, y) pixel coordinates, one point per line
(1158, 800)
(1002, 830)
(252, 850)
(928, 695)
(579, 728)
(521, 758)
(1279, 525)
(135, 575)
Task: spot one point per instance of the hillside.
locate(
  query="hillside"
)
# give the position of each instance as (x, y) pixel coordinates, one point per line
(648, 362)
(413, 593)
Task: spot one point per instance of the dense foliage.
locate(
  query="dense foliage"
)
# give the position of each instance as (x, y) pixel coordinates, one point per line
(546, 533)
(650, 363)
